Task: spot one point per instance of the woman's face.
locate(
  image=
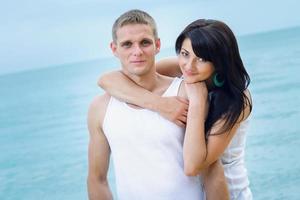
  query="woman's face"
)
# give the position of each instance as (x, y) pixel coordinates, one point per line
(194, 69)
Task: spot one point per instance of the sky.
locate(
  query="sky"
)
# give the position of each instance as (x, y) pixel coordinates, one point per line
(37, 34)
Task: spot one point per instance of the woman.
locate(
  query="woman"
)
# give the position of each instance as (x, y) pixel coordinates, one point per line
(219, 102)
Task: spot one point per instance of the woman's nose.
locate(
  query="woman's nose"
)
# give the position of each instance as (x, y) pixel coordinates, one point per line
(189, 64)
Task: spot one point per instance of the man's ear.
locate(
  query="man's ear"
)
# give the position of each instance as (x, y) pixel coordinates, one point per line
(113, 47)
(157, 45)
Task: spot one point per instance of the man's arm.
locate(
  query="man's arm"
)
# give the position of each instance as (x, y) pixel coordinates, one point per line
(98, 152)
(120, 86)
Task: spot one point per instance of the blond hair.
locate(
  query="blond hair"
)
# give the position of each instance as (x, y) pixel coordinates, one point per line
(134, 17)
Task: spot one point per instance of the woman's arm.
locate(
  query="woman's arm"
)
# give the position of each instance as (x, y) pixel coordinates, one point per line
(214, 181)
(120, 86)
(194, 146)
(169, 67)
(199, 154)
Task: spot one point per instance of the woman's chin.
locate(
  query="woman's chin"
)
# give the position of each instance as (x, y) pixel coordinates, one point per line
(190, 81)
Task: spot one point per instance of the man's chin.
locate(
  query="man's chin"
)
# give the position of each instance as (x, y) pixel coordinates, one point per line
(138, 72)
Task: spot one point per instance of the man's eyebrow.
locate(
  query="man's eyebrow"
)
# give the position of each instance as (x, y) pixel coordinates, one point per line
(125, 41)
(148, 39)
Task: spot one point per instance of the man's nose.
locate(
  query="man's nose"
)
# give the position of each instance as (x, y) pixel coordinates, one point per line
(137, 51)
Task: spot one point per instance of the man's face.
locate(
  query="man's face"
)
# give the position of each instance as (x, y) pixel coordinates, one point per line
(136, 48)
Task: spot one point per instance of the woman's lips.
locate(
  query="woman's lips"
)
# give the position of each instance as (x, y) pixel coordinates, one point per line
(189, 73)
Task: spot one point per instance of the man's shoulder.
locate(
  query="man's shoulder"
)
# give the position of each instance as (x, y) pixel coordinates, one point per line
(100, 101)
(97, 108)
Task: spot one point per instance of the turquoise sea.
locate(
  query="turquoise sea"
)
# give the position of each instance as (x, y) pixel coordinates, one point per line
(44, 138)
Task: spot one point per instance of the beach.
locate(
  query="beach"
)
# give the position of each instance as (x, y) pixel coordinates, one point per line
(44, 136)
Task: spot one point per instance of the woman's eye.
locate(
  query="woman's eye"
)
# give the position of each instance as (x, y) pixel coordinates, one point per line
(183, 53)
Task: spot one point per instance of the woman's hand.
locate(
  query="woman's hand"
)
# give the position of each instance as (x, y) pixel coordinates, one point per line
(196, 91)
(174, 109)
(198, 96)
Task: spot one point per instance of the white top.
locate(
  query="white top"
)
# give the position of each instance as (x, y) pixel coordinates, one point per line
(234, 166)
(147, 151)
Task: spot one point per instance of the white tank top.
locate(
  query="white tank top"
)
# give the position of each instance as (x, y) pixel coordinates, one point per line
(234, 166)
(147, 152)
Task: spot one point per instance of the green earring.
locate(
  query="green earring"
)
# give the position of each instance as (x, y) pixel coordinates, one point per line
(216, 82)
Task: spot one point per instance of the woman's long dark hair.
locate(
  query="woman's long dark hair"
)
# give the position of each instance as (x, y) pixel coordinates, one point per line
(213, 41)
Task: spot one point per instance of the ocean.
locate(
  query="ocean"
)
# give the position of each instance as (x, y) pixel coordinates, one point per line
(44, 137)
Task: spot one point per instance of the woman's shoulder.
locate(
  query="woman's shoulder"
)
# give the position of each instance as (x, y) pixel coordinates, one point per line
(248, 94)
(247, 105)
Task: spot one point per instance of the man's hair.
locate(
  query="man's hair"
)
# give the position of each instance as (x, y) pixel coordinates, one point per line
(134, 17)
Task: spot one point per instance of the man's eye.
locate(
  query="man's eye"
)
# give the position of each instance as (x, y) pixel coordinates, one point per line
(145, 43)
(126, 44)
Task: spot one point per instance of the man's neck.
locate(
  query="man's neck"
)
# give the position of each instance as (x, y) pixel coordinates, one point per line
(148, 81)
(152, 81)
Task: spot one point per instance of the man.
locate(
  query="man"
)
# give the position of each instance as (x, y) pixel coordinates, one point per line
(146, 148)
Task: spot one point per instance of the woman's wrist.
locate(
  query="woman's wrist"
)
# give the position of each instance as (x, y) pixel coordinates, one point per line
(196, 109)
(197, 103)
